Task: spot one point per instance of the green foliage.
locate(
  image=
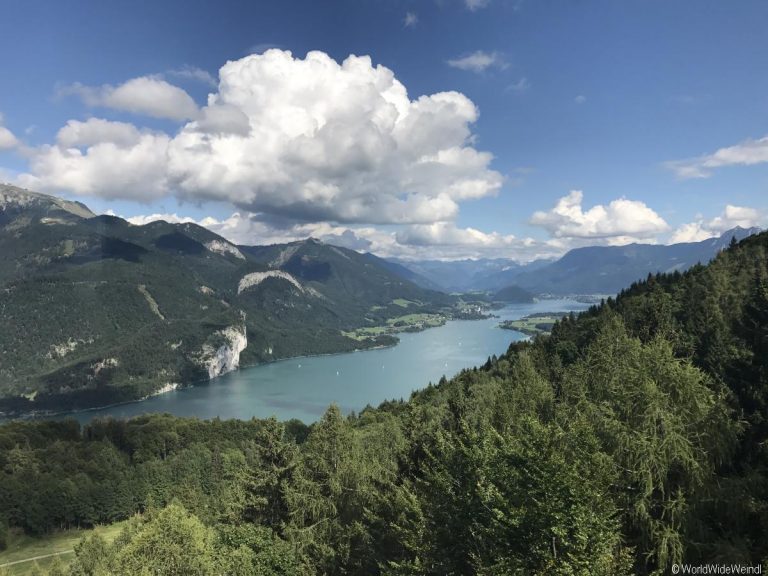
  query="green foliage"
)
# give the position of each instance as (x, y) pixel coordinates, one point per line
(632, 438)
(92, 554)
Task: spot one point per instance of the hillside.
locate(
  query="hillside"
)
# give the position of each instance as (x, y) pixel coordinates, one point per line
(608, 269)
(588, 270)
(514, 294)
(630, 440)
(95, 310)
(482, 274)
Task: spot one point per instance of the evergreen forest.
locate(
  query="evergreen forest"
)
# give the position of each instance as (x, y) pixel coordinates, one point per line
(630, 439)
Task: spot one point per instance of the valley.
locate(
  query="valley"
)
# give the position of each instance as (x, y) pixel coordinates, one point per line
(97, 311)
(302, 388)
(383, 288)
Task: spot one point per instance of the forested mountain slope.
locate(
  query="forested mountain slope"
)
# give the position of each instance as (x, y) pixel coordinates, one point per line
(630, 439)
(609, 269)
(95, 310)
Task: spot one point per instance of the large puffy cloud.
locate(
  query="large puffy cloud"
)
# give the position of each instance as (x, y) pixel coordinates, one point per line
(101, 158)
(308, 140)
(619, 222)
(731, 217)
(746, 153)
(146, 95)
(77, 134)
(316, 140)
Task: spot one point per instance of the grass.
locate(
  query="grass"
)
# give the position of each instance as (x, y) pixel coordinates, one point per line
(425, 320)
(21, 547)
(398, 324)
(532, 325)
(402, 302)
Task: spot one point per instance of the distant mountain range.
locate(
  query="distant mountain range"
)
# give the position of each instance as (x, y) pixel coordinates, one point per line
(483, 274)
(590, 270)
(95, 310)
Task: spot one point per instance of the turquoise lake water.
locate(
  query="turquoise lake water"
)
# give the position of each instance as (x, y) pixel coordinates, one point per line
(304, 387)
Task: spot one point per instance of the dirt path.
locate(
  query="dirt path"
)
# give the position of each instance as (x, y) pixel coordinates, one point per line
(35, 558)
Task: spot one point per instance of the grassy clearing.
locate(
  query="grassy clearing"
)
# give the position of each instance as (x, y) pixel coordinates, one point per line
(407, 322)
(424, 320)
(22, 547)
(403, 303)
(532, 325)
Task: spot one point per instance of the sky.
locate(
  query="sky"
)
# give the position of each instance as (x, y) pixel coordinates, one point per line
(410, 128)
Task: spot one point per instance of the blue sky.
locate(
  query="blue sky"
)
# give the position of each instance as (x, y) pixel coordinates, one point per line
(656, 111)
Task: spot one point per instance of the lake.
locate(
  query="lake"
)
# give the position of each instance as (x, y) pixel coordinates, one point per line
(304, 387)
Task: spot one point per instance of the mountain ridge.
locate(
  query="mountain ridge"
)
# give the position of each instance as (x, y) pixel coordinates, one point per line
(97, 310)
(585, 270)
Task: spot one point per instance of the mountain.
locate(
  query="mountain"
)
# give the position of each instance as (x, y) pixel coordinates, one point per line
(358, 281)
(608, 269)
(96, 310)
(589, 270)
(513, 294)
(630, 441)
(405, 272)
(483, 274)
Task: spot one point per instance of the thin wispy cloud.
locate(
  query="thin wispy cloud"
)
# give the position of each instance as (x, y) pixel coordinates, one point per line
(194, 73)
(474, 5)
(261, 47)
(683, 99)
(522, 85)
(747, 153)
(478, 61)
(410, 20)
(580, 99)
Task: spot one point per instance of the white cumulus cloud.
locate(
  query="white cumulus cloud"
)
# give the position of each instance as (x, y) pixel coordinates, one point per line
(746, 153)
(7, 138)
(146, 95)
(301, 147)
(313, 139)
(731, 217)
(172, 218)
(619, 222)
(78, 134)
(301, 139)
(101, 158)
(417, 241)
